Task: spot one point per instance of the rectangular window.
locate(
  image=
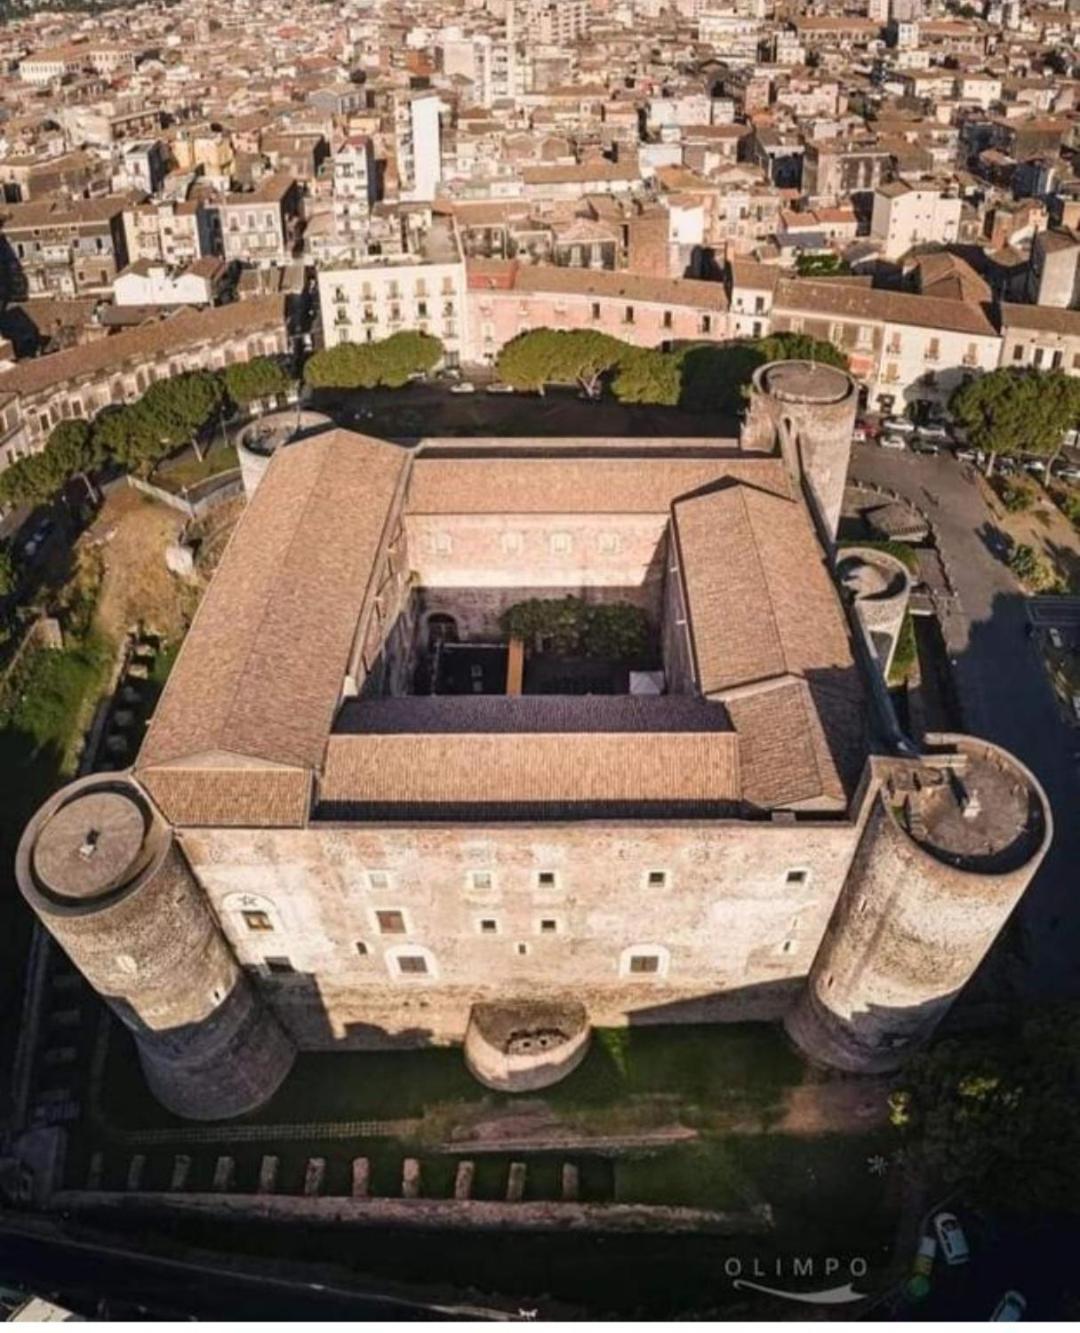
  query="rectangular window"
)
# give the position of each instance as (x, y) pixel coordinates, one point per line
(797, 876)
(378, 879)
(391, 923)
(1018, 352)
(480, 880)
(596, 310)
(440, 543)
(706, 324)
(549, 926)
(643, 963)
(628, 315)
(279, 966)
(412, 964)
(547, 879)
(657, 879)
(608, 543)
(257, 921)
(512, 543)
(667, 319)
(489, 926)
(561, 543)
(361, 948)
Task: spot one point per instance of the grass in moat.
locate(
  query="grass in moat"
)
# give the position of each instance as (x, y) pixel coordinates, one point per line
(186, 470)
(740, 1069)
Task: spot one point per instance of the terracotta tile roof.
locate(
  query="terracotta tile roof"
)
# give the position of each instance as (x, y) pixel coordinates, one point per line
(760, 601)
(500, 276)
(542, 769)
(230, 797)
(261, 670)
(568, 485)
(854, 302)
(189, 328)
(1043, 319)
(784, 758)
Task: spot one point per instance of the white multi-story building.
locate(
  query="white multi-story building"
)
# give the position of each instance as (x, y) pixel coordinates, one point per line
(424, 291)
(908, 215)
(355, 186)
(418, 136)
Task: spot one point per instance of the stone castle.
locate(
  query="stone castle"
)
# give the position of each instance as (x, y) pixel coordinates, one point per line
(354, 823)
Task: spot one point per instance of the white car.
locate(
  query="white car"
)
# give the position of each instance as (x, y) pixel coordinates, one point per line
(934, 432)
(466, 386)
(500, 388)
(898, 425)
(893, 442)
(951, 1238)
(1010, 1308)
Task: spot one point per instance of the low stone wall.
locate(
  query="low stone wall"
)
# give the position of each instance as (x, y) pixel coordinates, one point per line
(201, 498)
(429, 1213)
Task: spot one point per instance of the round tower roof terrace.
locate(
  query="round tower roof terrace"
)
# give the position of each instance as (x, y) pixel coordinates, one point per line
(804, 382)
(91, 845)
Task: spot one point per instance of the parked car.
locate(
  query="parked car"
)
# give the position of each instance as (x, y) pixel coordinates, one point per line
(465, 386)
(893, 442)
(1011, 1307)
(951, 1238)
(965, 455)
(899, 425)
(1035, 465)
(1056, 639)
(500, 388)
(921, 446)
(934, 431)
(924, 1256)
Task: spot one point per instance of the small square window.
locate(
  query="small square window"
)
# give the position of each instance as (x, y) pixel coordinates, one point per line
(489, 926)
(258, 921)
(378, 879)
(561, 543)
(480, 880)
(797, 876)
(279, 966)
(609, 543)
(522, 950)
(512, 542)
(361, 948)
(546, 879)
(641, 963)
(412, 964)
(391, 923)
(657, 879)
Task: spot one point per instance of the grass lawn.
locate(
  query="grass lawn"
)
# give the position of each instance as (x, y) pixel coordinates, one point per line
(184, 471)
(737, 1068)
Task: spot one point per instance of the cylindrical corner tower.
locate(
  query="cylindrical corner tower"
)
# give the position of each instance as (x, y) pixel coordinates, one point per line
(106, 877)
(880, 586)
(258, 441)
(951, 842)
(810, 408)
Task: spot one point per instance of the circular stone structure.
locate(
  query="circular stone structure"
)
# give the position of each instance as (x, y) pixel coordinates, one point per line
(258, 441)
(880, 586)
(524, 1045)
(810, 409)
(109, 881)
(951, 842)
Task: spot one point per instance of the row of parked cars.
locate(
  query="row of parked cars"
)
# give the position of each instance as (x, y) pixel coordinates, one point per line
(932, 437)
(948, 1240)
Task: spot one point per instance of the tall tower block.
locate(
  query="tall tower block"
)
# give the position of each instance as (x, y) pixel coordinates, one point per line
(809, 409)
(951, 841)
(107, 878)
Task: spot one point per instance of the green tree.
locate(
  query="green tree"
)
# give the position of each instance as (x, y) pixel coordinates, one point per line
(261, 377)
(1017, 411)
(75, 451)
(800, 347)
(175, 410)
(646, 376)
(387, 363)
(996, 1113)
(123, 434)
(1032, 568)
(8, 573)
(560, 356)
(28, 481)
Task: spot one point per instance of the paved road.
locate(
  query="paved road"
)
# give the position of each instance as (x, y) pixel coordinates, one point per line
(1005, 694)
(81, 1273)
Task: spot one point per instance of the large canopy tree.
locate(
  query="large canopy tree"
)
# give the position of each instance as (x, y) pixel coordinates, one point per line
(387, 363)
(261, 377)
(1017, 411)
(560, 356)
